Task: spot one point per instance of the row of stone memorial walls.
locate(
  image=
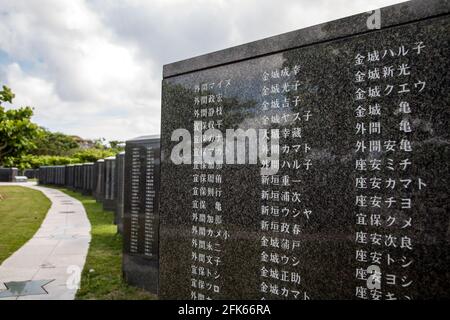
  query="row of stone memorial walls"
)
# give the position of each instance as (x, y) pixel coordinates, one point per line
(88, 179)
(127, 185)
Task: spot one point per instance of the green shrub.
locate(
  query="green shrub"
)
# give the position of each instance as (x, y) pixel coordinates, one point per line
(79, 156)
(92, 155)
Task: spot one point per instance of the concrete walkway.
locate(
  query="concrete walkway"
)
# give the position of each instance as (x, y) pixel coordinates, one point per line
(49, 265)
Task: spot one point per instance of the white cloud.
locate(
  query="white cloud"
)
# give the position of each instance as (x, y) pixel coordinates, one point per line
(93, 68)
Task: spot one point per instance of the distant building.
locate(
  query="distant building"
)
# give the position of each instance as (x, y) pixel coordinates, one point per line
(84, 144)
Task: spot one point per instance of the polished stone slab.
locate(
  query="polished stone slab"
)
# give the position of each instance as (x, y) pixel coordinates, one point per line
(8, 174)
(109, 202)
(361, 116)
(119, 191)
(140, 216)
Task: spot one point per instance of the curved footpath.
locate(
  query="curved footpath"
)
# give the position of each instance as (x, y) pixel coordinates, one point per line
(49, 265)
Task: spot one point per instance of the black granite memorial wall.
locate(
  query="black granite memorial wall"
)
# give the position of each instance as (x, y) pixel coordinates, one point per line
(46, 175)
(60, 175)
(70, 176)
(29, 173)
(42, 175)
(78, 177)
(141, 218)
(8, 174)
(119, 191)
(109, 202)
(99, 174)
(88, 178)
(355, 205)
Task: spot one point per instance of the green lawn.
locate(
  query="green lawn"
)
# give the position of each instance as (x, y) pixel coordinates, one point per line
(21, 213)
(102, 274)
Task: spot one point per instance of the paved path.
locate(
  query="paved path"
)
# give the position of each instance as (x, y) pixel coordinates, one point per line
(44, 266)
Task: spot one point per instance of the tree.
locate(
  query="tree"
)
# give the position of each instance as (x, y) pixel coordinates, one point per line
(54, 143)
(17, 132)
(117, 146)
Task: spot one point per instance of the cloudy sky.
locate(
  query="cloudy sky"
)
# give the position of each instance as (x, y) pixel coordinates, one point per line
(93, 68)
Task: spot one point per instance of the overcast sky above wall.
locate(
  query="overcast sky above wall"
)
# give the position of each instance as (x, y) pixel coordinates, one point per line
(94, 68)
